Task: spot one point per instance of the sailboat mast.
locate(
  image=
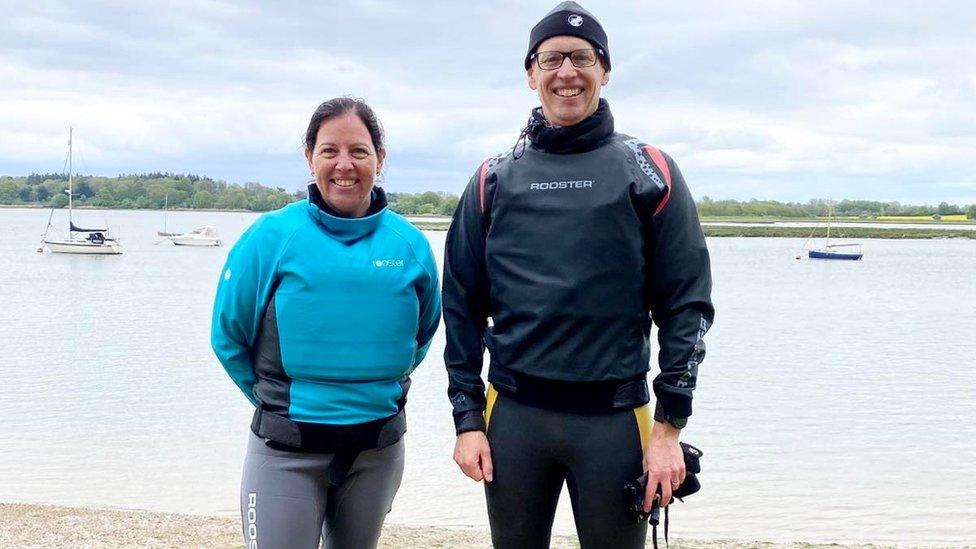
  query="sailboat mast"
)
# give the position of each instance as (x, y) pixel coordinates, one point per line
(165, 213)
(71, 190)
(830, 215)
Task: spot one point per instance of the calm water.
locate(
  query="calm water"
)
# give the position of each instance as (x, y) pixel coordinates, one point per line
(837, 401)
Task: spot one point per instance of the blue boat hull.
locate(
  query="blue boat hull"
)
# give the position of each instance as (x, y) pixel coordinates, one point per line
(818, 254)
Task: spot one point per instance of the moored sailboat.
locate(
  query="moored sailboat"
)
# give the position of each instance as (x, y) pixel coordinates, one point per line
(831, 251)
(849, 251)
(205, 236)
(80, 240)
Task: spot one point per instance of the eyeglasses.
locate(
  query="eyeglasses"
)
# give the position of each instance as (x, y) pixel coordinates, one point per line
(552, 60)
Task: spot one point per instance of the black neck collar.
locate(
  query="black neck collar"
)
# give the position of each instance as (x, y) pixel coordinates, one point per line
(587, 135)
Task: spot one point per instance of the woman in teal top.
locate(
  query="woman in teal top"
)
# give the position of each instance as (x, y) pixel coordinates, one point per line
(323, 310)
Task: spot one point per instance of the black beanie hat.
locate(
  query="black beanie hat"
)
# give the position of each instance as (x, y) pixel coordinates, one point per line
(568, 19)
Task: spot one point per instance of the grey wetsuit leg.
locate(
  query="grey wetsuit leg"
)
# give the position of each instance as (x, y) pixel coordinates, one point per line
(294, 499)
(358, 505)
(283, 496)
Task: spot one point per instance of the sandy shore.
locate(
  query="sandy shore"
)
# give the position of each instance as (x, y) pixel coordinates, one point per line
(51, 526)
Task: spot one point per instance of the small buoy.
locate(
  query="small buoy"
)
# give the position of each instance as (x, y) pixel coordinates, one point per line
(40, 249)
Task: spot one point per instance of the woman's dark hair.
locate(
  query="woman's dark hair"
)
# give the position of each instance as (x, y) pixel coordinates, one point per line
(338, 107)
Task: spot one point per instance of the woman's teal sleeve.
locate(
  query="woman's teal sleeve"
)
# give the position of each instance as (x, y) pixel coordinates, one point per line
(242, 295)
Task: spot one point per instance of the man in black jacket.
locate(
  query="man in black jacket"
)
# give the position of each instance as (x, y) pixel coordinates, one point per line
(572, 244)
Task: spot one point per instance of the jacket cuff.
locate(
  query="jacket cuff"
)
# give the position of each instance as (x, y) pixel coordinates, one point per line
(472, 420)
(664, 416)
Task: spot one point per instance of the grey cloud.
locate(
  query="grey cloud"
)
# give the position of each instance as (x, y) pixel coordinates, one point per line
(225, 88)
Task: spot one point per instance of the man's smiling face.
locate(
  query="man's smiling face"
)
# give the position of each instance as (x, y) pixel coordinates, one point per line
(568, 94)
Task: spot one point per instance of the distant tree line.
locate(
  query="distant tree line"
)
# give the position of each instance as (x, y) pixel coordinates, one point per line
(143, 191)
(188, 191)
(427, 203)
(818, 207)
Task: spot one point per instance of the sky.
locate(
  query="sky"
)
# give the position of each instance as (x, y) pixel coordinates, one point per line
(766, 99)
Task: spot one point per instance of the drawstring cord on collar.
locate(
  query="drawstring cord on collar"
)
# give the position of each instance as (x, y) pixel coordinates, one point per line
(531, 127)
(516, 152)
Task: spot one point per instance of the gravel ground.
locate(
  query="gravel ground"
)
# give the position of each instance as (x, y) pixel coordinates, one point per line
(24, 526)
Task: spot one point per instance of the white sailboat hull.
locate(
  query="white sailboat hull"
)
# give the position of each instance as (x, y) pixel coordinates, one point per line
(187, 240)
(202, 237)
(109, 247)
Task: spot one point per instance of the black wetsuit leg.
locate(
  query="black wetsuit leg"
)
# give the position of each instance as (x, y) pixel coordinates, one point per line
(535, 450)
(527, 478)
(608, 456)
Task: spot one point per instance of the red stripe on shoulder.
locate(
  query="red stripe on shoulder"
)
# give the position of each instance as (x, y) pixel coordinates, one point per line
(481, 184)
(658, 157)
(662, 165)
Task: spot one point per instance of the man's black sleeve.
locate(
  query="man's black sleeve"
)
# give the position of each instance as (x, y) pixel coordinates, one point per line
(466, 307)
(680, 296)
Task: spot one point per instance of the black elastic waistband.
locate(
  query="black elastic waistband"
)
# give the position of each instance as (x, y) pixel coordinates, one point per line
(584, 397)
(298, 436)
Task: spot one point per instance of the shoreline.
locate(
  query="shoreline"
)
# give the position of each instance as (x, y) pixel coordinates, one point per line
(770, 231)
(911, 220)
(736, 228)
(87, 207)
(835, 232)
(34, 525)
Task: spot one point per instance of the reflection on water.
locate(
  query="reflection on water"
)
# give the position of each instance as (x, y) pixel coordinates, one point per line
(836, 401)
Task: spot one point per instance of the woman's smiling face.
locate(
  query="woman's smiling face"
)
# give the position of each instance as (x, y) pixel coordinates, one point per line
(345, 164)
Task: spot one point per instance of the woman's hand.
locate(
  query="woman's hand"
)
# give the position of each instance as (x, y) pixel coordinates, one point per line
(473, 455)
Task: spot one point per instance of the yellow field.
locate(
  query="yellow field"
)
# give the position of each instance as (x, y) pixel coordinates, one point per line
(953, 217)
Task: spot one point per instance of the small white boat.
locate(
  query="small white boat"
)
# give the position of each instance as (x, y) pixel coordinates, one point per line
(204, 236)
(80, 240)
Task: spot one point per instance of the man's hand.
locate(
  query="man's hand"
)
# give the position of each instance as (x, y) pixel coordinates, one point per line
(664, 463)
(473, 455)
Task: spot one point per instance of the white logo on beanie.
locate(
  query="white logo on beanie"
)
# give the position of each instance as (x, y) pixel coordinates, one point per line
(575, 20)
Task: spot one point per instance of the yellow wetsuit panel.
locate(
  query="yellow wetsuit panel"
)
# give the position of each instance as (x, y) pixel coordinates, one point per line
(492, 396)
(645, 424)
